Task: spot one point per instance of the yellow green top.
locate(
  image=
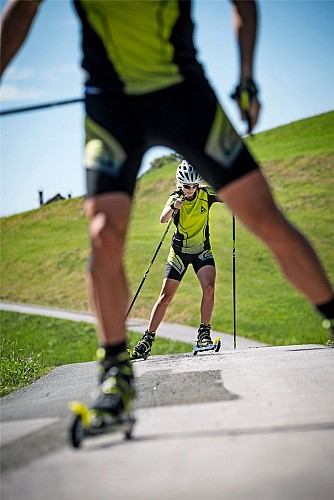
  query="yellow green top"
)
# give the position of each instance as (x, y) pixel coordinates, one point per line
(192, 221)
(137, 46)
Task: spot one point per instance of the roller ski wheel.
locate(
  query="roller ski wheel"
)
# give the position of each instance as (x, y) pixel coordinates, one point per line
(76, 432)
(90, 423)
(211, 347)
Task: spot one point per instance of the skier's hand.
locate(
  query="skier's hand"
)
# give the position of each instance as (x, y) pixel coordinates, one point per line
(245, 95)
(178, 204)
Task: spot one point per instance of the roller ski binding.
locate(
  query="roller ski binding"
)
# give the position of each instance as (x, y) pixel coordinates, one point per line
(111, 412)
(204, 341)
(143, 349)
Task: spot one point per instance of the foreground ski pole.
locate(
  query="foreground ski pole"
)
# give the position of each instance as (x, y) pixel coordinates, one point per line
(151, 263)
(234, 283)
(36, 107)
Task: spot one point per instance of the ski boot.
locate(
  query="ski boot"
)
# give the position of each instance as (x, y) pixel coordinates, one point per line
(204, 341)
(328, 324)
(143, 349)
(116, 383)
(111, 411)
(203, 337)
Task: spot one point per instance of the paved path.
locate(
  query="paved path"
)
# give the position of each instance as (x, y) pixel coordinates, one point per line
(168, 330)
(244, 424)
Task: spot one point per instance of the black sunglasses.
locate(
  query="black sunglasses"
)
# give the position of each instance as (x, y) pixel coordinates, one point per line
(190, 186)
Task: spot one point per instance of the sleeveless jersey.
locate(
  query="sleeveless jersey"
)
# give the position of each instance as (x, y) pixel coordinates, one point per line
(192, 221)
(138, 46)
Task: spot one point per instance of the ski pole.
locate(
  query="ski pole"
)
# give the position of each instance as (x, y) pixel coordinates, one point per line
(234, 283)
(151, 263)
(36, 107)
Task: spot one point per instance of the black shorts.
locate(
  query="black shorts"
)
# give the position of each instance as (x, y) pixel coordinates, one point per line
(178, 262)
(186, 118)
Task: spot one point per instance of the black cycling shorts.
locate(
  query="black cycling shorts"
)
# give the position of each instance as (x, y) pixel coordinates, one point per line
(186, 118)
(178, 262)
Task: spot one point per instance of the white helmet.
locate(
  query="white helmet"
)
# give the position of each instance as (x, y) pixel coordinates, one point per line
(186, 174)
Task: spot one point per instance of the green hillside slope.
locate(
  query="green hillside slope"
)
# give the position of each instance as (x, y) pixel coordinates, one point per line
(310, 136)
(44, 251)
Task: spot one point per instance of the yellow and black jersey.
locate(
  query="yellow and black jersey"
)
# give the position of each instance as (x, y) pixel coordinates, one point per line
(136, 47)
(192, 221)
(142, 72)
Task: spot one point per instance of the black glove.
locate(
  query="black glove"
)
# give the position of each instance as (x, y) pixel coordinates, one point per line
(244, 93)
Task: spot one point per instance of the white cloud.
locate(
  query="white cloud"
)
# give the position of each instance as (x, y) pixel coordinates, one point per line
(29, 85)
(13, 73)
(62, 74)
(19, 74)
(11, 93)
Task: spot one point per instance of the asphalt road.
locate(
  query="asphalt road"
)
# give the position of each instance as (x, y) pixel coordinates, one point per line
(245, 424)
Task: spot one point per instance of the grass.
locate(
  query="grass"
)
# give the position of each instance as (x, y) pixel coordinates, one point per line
(32, 345)
(311, 136)
(44, 252)
(42, 261)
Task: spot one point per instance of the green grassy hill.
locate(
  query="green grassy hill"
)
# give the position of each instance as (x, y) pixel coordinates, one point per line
(306, 137)
(44, 251)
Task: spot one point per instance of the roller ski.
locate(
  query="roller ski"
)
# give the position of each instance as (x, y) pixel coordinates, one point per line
(90, 423)
(204, 341)
(111, 412)
(143, 349)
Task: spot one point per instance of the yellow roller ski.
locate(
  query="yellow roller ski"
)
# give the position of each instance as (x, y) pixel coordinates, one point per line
(211, 347)
(90, 423)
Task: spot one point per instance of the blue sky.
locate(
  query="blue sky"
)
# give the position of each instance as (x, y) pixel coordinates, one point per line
(43, 149)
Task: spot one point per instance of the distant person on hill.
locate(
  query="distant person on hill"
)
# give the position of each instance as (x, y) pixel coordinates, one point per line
(189, 205)
(145, 87)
